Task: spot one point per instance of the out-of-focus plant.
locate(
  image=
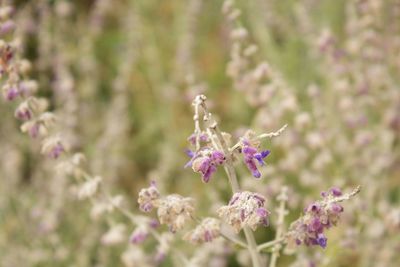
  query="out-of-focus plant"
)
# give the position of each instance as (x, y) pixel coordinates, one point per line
(115, 89)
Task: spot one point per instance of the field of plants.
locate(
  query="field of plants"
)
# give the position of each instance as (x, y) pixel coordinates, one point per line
(193, 133)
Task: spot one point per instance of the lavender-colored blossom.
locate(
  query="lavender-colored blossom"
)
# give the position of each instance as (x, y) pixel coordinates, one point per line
(251, 156)
(203, 137)
(7, 27)
(139, 235)
(56, 151)
(11, 93)
(319, 216)
(147, 197)
(322, 240)
(205, 162)
(245, 209)
(206, 231)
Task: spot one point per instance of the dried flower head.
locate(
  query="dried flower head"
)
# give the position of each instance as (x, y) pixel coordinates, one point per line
(245, 209)
(148, 196)
(206, 231)
(114, 235)
(89, 188)
(53, 147)
(175, 211)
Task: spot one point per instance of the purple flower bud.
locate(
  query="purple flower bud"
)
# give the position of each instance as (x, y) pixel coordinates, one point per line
(314, 207)
(251, 165)
(260, 156)
(336, 192)
(24, 115)
(138, 236)
(248, 150)
(190, 153)
(12, 93)
(154, 223)
(202, 137)
(7, 27)
(34, 130)
(322, 240)
(207, 175)
(336, 208)
(207, 236)
(56, 151)
(146, 207)
(218, 157)
(315, 225)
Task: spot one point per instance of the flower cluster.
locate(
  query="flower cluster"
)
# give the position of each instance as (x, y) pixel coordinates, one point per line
(175, 211)
(206, 231)
(31, 110)
(251, 153)
(245, 209)
(320, 215)
(172, 210)
(205, 162)
(147, 197)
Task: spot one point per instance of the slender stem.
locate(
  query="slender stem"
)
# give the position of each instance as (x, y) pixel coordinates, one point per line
(280, 226)
(197, 130)
(233, 239)
(270, 244)
(261, 136)
(230, 171)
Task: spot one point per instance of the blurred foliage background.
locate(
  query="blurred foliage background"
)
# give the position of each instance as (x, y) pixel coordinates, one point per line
(121, 75)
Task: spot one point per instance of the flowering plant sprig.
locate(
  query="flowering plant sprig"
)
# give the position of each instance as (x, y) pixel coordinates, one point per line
(318, 217)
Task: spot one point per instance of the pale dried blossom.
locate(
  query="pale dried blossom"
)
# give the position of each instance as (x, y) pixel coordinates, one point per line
(245, 209)
(134, 256)
(115, 235)
(104, 206)
(89, 188)
(206, 231)
(53, 147)
(175, 211)
(23, 111)
(147, 197)
(139, 235)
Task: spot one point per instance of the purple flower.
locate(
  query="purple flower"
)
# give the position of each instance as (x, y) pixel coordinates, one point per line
(12, 93)
(147, 197)
(319, 216)
(251, 156)
(139, 235)
(336, 192)
(202, 137)
(322, 240)
(7, 27)
(56, 151)
(206, 162)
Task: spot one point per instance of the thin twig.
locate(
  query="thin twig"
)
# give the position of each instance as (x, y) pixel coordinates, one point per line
(261, 136)
(269, 244)
(280, 226)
